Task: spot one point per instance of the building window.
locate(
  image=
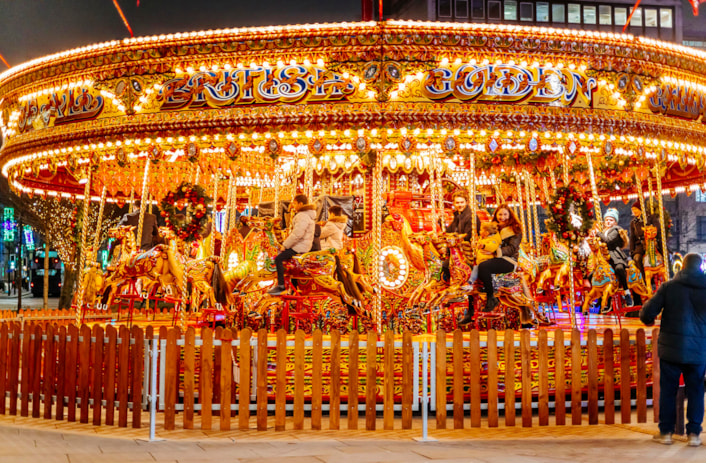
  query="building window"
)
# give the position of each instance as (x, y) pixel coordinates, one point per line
(558, 14)
(700, 196)
(542, 12)
(526, 11)
(510, 10)
(650, 18)
(636, 20)
(444, 8)
(605, 15)
(574, 13)
(589, 15)
(665, 15)
(478, 9)
(621, 16)
(701, 228)
(494, 10)
(462, 9)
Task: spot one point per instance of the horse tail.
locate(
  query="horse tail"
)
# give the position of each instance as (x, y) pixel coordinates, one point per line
(219, 285)
(348, 285)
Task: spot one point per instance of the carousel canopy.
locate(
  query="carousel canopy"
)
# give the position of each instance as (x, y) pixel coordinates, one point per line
(257, 104)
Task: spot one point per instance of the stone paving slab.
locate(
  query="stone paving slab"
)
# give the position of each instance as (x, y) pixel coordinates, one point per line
(47, 441)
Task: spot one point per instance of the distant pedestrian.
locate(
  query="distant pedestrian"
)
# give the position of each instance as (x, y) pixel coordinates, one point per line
(682, 347)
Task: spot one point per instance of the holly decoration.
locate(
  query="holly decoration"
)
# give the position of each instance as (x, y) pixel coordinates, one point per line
(185, 210)
(570, 214)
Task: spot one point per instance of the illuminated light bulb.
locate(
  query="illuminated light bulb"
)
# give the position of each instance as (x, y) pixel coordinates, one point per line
(320, 62)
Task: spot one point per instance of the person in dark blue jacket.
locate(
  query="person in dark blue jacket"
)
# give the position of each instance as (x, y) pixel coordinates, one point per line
(682, 346)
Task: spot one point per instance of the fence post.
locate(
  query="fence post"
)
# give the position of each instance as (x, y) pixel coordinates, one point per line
(425, 394)
(152, 352)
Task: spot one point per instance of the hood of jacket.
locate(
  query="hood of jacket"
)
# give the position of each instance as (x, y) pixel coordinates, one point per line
(307, 207)
(696, 280)
(338, 219)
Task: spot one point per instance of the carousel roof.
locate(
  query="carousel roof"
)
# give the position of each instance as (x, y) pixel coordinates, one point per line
(259, 103)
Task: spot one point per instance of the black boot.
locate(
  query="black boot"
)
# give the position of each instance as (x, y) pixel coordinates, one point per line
(491, 303)
(468, 316)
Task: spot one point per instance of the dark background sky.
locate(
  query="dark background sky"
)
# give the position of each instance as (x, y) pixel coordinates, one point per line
(33, 28)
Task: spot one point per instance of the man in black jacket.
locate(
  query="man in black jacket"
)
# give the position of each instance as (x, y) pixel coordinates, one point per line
(682, 347)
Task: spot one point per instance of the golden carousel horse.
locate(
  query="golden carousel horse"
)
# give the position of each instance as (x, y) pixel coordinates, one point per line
(557, 255)
(652, 262)
(460, 253)
(604, 284)
(158, 267)
(317, 268)
(636, 283)
(433, 280)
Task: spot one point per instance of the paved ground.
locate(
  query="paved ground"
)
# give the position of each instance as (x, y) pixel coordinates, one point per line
(10, 303)
(47, 441)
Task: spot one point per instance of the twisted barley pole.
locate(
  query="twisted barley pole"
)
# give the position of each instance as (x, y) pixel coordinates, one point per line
(594, 190)
(663, 228)
(82, 245)
(99, 224)
(640, 197)
(215, 215)
(472, 196)
(520, 206)
(377, 240)
(143, 203)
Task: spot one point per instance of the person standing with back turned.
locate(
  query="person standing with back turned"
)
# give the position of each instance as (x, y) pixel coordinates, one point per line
(682, 347)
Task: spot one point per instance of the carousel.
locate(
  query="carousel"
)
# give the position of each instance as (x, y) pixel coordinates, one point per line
(388, 120)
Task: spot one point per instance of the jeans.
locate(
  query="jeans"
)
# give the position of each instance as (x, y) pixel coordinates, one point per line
(669, 384)
(279, 262)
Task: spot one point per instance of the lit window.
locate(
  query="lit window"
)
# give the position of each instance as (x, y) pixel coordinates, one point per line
(510, 10)
(574, 13)
(542, 12)
(650, 18)
(700, 196)
(589, 15)
(621, 16)
(605, 15)
(558, 14)
(666, 18)
(636, 20)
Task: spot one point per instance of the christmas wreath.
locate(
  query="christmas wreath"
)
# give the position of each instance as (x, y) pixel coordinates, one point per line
(570, 215)
(185, 210)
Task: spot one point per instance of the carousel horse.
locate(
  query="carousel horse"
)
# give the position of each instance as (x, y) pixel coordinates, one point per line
(460, 270)
(207, 282)
(92, 277)
(413, 251)
(604, 284)
(653, 263)
(433, 280)
(636, 283)
(317, 267)
(557, 255)
(350, 273)
(158, 267)
(248, 251)
(513, 288)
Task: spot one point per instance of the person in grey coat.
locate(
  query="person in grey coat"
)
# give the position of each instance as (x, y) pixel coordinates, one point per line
(300, 238)
(681, 348)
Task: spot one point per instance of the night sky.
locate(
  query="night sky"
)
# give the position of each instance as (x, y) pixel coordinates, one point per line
(34, 28)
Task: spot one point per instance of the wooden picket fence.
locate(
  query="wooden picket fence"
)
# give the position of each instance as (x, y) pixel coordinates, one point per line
(224, 380)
